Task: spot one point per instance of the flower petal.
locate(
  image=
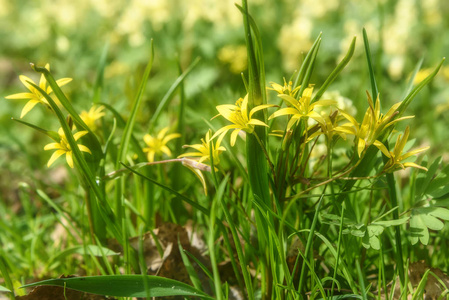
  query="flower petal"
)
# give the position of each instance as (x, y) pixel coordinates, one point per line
(54, 157)
(20, 96)
(69, 158)
(29, 106)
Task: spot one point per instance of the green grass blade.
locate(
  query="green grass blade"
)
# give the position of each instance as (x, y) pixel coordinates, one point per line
(100, 74)
(309, 245)
(239, 250)
(51, 134)
(125, 286)
(121, 124)
(374, 89)
(336, 71)
(412, 78)
(91, 141)
(309, 70)
(126, 137)
(105, 211)
(165, 100)
(188, 200)
(307, 60)
(418, 88)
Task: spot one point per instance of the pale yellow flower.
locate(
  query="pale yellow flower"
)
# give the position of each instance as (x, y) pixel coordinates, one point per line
(34, 96)
(301, 108)
(287, 89)
(238, 115)
(396, 156)
(158, 144)
(204, 149)
(63, 147)
(89, 117)
(373, 125)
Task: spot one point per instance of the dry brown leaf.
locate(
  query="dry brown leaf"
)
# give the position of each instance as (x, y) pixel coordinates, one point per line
(433, 288)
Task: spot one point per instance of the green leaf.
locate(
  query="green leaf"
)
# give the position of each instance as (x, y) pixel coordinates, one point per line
(335, 72)
(431, 222)
(83, 250)
(3, 289)
(188, 200)
(423, 180)
(164, 102)
(439, 186)
(125, 286)
(418, 230)
(416, 90)
(51, 134)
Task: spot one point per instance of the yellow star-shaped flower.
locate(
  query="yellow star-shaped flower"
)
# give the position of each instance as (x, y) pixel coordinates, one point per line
(204, 150)
(239, 116)
(158, 144)
(63, 147)
(301, 108)
(34, 96)
(89, 117)
(396, 156)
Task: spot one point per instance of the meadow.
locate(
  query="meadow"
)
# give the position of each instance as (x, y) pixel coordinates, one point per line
(217, 150)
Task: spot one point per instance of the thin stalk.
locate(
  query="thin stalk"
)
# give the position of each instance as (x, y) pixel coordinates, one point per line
(309, 245)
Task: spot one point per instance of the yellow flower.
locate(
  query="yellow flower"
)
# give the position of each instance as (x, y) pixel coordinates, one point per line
(63, 147)
(34, 96)
(238, 115)
(396, 156)
(301, 108)
(286, 89)
(158, 144)
(373, 125)
(89, 117)
(204, 149)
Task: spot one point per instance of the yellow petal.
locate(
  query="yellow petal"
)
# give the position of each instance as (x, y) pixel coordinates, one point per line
(24, 79)
(283, 112)
(29, 106)
(52, 146)
(84, 149)
(79, 134)
(234, 135)
(20, 96)
(69, 158)
(382, 148)
(54, 157)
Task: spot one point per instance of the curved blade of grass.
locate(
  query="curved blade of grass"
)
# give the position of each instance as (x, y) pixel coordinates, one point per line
(239, 250)
(336, 71)
(374, 89)
(418, 88)
(125, 286)
(100, 74)
(3, 289)
(84, 250)
(126, 137)
(51, 134)
(170, 92)
(121, 124)
(389, 176)
(189, 201)
(412, 78)
(104, 210)
(309, 70)
(309, 245)
(302, 71)
(91, 141)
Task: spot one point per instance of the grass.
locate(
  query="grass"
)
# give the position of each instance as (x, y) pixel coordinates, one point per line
(294, 193)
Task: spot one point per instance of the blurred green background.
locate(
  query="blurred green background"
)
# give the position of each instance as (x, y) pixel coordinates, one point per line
(72, 35)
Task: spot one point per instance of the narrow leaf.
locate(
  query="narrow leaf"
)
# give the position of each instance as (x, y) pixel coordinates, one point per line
(125, 286)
